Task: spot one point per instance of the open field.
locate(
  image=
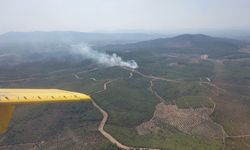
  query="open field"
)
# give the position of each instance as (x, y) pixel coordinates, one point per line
(127, 101)
(169, 138)
(238, 143)
(175, 92)
(190, 121)
(193, 102)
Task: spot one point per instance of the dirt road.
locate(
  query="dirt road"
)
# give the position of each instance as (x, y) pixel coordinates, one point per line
(149, 76)
(104, 120)
(106, 134)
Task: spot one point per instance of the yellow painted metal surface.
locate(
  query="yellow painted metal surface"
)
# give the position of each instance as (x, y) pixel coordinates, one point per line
(11, 97)
(6, 112)
(27, 96)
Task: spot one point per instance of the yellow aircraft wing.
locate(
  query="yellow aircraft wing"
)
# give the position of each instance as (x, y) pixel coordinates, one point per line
(11, 97)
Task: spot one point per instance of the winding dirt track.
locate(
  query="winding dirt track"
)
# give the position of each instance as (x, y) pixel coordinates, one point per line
(106, 134)
(104, 120)
(149, 76)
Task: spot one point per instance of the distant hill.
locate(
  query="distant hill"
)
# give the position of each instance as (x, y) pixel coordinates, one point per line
(186, 43)
(31, 46)
(247, 38)
(57, 43)
(73, 37)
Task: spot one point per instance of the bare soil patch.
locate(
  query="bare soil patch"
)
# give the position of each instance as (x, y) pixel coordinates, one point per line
(191, 121)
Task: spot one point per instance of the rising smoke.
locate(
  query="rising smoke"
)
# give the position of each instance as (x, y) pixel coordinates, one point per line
(103, 58)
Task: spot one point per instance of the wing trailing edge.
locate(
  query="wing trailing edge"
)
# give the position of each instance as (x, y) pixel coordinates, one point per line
(9, 98)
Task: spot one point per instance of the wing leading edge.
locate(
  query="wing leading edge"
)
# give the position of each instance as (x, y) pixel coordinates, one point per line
(11, 97)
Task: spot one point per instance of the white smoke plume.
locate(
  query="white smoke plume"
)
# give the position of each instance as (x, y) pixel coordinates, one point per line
(103, 58)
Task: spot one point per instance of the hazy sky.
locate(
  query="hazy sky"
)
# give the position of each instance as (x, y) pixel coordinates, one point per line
(122, 15)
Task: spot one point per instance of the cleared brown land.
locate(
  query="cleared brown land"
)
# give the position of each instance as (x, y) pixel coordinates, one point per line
(190, 121)
(238, 143)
